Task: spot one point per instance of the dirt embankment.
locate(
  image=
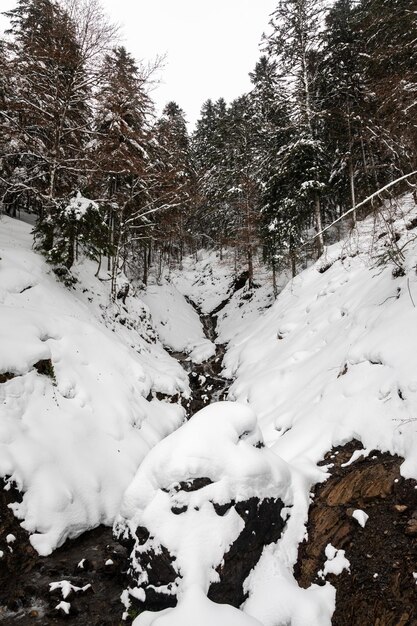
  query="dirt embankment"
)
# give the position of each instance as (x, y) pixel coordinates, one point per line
(380, 589)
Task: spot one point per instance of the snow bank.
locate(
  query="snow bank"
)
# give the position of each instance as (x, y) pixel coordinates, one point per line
(222, 445)
(178, 324)
(74, 421)
(334, 359)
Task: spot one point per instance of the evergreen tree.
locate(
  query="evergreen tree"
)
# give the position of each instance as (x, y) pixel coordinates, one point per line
(243, 179)
(176, 180)
(272, 126)
(121, 151)
(215, 218)
(51, 113)
(346, 99)
(389, 34)
(8, 144)
(294, 43)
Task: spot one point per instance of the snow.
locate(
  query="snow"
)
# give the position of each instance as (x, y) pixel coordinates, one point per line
(73, 440)
(336, 561)
(178, 324)
(332, 360)
(64, 606)
(195, 603)
(361, 517)
(66, 588)
(219, 443)
(207, 280)
(78, 206)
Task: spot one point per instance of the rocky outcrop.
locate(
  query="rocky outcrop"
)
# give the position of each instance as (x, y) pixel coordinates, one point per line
(380, 588)
(263, 525)
(203, 505)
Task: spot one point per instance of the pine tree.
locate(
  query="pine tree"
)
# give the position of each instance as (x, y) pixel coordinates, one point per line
(346, 99)
(244, 178)
(8, 145)
(214, 219)
(122, 152)
(272, 128)
(51, 113)
(389, 33)
(294, 43)
(176, 180)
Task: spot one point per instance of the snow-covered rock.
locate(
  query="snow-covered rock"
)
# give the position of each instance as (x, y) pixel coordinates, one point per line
(194, 496)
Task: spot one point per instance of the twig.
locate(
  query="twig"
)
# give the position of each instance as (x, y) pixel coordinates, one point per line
(409, 291)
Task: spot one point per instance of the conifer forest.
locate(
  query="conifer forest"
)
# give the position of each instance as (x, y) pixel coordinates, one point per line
(328, 121)
(208, 370)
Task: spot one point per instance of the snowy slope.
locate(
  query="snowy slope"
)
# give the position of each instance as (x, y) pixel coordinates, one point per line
(73, 433)
(332, 360)
(177, 323)
(205, 279)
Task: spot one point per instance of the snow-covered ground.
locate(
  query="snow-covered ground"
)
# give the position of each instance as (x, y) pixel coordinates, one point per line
(73, 436)
(334, 358)
(178, 325)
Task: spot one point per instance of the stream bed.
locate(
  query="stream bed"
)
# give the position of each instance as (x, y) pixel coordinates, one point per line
(95, 562)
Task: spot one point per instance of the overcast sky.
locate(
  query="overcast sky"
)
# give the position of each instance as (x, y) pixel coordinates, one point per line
(211, 45)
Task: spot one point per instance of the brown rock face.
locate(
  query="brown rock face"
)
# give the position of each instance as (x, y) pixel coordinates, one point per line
(380, 589)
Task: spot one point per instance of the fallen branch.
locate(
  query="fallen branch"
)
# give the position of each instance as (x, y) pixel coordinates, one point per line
(371, 197)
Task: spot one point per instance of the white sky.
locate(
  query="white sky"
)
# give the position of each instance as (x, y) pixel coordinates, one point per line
(211, 45)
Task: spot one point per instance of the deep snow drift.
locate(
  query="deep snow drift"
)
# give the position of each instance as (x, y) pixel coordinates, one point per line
(177, 323)
(73, 436)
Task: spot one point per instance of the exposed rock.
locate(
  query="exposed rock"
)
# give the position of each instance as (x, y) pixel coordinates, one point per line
(5, 376)
(210, 525)
(263, 525)
(25, 598)
(380, 588)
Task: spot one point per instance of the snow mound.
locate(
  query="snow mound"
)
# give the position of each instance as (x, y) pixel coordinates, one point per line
(196, 603)
(220, 450)
(74, 420)
(333, 360)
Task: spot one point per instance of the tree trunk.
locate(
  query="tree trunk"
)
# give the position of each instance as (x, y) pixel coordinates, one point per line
(293, 264)
(274, 279)
(99, 266)
(352, 191)
(71, 249)
(250, 267)
(319, 225)
(145, 265)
